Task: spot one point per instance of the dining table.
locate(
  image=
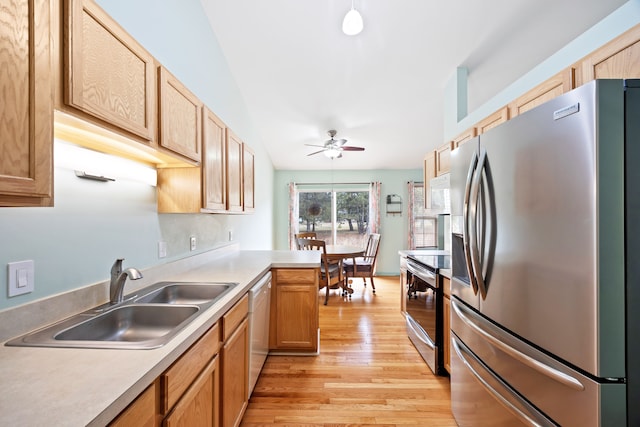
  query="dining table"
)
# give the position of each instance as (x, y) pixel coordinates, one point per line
(337, 253)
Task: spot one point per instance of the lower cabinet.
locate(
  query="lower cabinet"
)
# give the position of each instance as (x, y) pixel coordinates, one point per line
(199, 406)
(235, 363)
(143, 412)
(446, 314)
(294, 310)
(189, 388)
(403, 284)
(208, 384)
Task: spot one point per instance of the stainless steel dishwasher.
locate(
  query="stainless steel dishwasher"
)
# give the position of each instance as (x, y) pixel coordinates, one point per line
(259, 303)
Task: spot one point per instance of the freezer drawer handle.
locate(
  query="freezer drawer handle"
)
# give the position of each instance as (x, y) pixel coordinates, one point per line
(544, 369)
(540, 421)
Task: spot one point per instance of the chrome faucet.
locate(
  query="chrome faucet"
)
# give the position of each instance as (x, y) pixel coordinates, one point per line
(118, 277)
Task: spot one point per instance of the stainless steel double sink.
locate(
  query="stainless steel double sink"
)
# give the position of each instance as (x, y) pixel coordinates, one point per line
(147, 319)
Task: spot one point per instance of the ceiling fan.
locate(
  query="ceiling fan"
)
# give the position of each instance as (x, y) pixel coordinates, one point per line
(333, 148)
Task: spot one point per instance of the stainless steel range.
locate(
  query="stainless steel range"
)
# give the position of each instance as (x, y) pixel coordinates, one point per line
(425, 306)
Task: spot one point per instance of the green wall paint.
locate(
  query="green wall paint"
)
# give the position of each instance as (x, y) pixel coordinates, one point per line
(393, 228)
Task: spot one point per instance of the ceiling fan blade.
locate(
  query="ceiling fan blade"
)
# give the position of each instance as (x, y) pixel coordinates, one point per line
(311, 154)
(315, 145)
(340, 142)
(349, 148)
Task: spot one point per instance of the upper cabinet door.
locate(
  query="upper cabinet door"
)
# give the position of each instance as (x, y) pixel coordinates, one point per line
(108, 75)
(618, 59)
(443, 157)
(234, 172)
(214, 171)
(248, 178)
(180, 117)
(26, 109)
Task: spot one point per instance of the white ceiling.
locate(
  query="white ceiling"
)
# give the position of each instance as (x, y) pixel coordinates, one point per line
(382, 89)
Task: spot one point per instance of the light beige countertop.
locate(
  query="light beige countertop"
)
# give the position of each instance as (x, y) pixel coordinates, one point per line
(78, 387)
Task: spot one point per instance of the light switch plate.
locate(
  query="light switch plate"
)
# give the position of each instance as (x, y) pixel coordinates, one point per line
(192, 243)
(20, 278)
(162, 249)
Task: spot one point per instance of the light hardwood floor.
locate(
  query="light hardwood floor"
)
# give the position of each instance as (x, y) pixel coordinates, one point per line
(367, 373)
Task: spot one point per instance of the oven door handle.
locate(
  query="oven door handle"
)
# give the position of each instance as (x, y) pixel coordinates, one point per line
(465, 224)
(419, 334)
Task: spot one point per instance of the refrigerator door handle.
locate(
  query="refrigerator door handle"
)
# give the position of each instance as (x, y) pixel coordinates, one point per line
(473, 230)
(465, 223)
(489, 381)
(525, 359)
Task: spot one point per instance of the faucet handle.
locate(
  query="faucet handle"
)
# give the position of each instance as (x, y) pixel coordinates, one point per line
(116, 268)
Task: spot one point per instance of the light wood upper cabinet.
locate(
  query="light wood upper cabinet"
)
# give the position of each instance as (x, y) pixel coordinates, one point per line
(294, 310)
(180, 115)
(429, 171)
(26, 109)
(234, 172)
(108, 75)
(248, 179)
(464, 137)
(619, 59)
(555, 86)
(495, 119)
(443, 158)
(214, 170)
(225, 183)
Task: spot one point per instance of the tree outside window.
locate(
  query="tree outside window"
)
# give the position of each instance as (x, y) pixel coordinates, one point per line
(343, 220)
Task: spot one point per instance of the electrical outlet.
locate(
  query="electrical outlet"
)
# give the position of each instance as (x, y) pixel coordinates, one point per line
(230, 235)
(21, 277)
(192, 243)
(162, 249)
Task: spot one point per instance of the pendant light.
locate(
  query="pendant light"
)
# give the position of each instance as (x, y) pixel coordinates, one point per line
(352, 23)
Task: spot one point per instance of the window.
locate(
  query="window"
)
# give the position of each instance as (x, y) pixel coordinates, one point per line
(424, 228)
(340, 216)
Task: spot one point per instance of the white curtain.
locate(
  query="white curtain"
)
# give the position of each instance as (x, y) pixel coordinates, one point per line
(293, 215)
(374, 207)
(411, 244)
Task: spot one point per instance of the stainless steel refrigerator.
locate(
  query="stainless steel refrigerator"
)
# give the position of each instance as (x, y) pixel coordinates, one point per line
(546, 265)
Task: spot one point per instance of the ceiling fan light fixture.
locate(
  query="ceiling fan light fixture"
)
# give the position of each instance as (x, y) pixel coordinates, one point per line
(333, 153)
(352, 23)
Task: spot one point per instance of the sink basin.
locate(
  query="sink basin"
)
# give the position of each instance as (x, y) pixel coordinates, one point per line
(148, 319)
(186, 293)
(132, 323)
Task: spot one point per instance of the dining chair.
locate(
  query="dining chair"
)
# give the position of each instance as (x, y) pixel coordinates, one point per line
(364, 266)
(305, 235)
(331, 275)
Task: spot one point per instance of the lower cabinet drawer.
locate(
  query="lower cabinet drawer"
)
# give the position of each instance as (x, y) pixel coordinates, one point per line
(177, 379)
(199, 406)
(142, 411)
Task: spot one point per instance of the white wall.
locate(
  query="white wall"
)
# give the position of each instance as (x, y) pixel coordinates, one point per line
(621, 20)
(74, 243)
